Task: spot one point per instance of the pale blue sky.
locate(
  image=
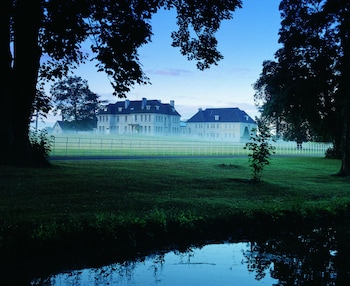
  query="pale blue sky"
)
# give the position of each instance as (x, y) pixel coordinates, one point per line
(245, 42)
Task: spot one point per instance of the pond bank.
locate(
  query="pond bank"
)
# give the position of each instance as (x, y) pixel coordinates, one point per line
(25, 259)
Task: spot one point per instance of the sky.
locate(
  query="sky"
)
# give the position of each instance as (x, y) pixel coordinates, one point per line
(245, 42)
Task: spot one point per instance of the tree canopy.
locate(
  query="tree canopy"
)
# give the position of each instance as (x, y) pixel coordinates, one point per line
(74, 100)
(46, 43)
(308, 83)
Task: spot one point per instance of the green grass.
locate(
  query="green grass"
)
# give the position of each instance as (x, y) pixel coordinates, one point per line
(106, 195)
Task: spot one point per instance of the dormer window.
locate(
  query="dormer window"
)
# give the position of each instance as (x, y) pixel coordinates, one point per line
(246, 117)
(216, 117)
(148, 107)
(157, 107)
(120, 109)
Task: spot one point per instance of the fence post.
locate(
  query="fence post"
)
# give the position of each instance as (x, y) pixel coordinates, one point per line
(53, 144)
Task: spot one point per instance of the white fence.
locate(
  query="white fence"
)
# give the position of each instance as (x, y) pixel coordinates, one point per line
(167, 146)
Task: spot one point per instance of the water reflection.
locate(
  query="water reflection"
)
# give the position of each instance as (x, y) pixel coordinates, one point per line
(215, 264)
(317, 258)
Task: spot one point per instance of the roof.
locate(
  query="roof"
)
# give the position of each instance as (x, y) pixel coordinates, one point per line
(64, 125)
(75, 125)
(140, 106)
(221, 115)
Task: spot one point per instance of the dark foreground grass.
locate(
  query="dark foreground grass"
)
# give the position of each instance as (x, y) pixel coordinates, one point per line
(137, 201)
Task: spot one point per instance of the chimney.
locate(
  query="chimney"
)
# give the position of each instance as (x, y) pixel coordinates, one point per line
(172, 103)
(127, 103)
(144, 103)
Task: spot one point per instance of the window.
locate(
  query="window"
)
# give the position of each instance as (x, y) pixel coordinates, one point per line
(216, 117)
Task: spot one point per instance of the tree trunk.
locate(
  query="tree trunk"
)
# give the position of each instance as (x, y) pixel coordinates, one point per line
(345, 143)
(345, 164)
(6, 137)
(345, 91)
(20, 81)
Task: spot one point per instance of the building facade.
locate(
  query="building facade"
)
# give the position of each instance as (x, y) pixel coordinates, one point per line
(229, 124)
(149, 117)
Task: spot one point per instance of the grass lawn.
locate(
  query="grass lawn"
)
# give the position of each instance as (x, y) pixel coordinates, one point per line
(111, 197)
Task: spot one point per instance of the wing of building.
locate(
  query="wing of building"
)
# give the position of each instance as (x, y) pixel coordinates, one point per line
(231, 124)
(149, 117)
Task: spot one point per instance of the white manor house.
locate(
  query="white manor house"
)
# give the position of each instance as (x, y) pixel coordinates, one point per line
(152, 117)
(224, 124)
(149, 117)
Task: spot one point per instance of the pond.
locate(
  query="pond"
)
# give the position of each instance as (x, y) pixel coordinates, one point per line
(318, 257)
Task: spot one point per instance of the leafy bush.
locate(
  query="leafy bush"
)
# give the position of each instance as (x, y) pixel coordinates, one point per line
(41, 144)
(261, 149)
(332, 153)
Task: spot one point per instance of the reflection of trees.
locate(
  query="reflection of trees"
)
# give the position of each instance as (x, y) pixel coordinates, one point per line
(256, 262)
(185, 255)
(298, 260)
(319, 257)
(104, 275)
(158, 261)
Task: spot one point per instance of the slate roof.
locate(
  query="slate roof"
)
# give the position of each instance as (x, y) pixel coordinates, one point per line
(64, 125)
(221, 115)
(140, 106)
(72, 125)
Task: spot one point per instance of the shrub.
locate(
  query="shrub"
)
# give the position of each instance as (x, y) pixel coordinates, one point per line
(332, 153)
(41, 145)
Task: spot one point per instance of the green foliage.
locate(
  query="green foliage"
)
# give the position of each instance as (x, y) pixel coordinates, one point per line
(119, 29)
(333, 153)
(74, 100)
(46, 231)
(307, 86)
(187, 219)
(40, 144)
(261, 149)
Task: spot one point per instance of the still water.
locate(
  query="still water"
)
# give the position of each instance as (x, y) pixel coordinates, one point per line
(320, 257)
(215, 264)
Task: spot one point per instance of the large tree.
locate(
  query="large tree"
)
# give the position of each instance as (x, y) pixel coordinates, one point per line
(43, 38)
(75, 102)
(309, 81)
